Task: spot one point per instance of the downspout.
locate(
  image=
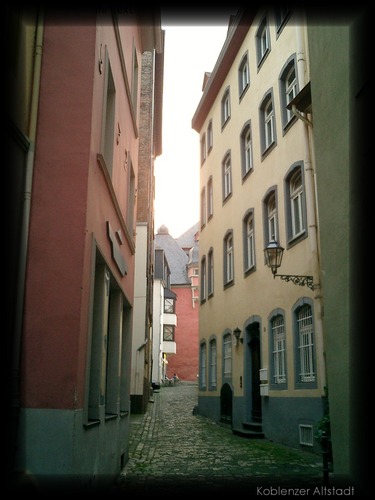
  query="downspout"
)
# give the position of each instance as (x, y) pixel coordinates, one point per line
(24, 236)
(311, 201)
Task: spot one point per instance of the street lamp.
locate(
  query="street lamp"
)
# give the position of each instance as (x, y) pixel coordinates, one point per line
(273, 254)
(237, 333)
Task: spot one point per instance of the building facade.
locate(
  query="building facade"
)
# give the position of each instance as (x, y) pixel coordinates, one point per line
(72, 349)
(150, 146)
(339, 95)
(261, 354)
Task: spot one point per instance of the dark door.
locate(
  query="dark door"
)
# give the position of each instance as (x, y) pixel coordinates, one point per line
(256, 412)
(226, 404)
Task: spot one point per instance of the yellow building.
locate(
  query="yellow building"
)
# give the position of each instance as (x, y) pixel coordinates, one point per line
(257, 186)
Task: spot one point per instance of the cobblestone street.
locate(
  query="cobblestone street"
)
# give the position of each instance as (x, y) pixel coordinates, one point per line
(171, 446)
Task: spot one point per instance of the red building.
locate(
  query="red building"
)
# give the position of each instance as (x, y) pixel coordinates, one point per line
(72, 344)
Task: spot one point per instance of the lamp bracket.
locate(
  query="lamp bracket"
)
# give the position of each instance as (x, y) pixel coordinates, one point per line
(298, 280)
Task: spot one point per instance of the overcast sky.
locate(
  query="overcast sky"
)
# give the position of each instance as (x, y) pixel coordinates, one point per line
(192, 46)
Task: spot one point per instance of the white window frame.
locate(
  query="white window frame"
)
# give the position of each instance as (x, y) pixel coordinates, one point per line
(272, 218)
(306, 344)
(279, 349)
(210, 198)
(243, 75)
(229, 262)
(213, 363)
(269, 124)
(227, 356)
(203, 279)
(210, 272)
(203, 366)
(210, 137)
(227, 176)
(296, 203)
(249, 243)
(290, 90)
(225, 107)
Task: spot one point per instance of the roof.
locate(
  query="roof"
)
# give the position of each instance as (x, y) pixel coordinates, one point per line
(176, 257)
(187, 239)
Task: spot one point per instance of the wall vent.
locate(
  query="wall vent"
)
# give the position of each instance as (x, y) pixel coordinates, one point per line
(306, 437)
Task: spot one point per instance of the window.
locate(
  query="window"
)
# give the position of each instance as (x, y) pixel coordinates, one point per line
(131, 197)
(282, 14)
(225, 108)
(249, 241)
(203, 207)
(262, 41)
(210, 198)
(227, 176)
(303, 326)
(210, 281)
(271, 231)
(278, 350)
(243, 76)
(228, 259)
(267, 123)
(169, 306)
(296, 203)
(203, 149)
(109, 340)
(168, 333)
(213, 364)
(108, 132)
(296, 207)
(246, 150)
(203, 279)
(227, 355)
(210, 137)
(288, 90)
(202, 366)
(135, 78)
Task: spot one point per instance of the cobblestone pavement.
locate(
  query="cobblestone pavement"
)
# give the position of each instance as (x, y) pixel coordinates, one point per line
(171, 446)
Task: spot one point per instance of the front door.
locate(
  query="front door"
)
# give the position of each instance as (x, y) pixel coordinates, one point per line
(256, 409)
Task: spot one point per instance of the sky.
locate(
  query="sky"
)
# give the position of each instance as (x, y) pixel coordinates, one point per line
(190, 50)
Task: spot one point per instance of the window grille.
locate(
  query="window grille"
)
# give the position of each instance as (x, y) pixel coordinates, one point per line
(306, 436)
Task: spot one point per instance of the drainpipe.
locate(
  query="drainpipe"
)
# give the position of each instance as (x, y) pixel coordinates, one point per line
(24, 237)
(311, 200)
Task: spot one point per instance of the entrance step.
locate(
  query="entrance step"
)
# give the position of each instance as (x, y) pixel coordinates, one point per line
(250, 430)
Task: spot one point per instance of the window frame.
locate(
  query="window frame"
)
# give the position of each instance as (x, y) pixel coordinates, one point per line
(210, 198)
(304, 348)
(203, 207)
(294, 237)
(227, 355)
(278, 381)
(202, 279)
(225, 108)
(247, 157)
(243, 76)
(171, 330)
(210, 137)
(212, 360)
(228, 259)
(203, 366)
(262, 41)
(249, 261)
(203, 148)
(270, 216)
(210, 273)
(287, 116)
(267, 120)
(226, 172)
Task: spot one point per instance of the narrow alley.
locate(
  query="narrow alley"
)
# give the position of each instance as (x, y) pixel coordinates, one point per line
(172, 446)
